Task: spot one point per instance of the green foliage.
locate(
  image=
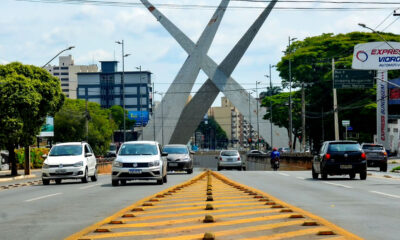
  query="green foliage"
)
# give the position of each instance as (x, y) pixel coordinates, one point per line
(36, 156)
(211, 127)
(70, 125)
(311, 61)
(28, 94)
(117, 114)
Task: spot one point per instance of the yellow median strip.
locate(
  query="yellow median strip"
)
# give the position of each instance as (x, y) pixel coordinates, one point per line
(211, 206)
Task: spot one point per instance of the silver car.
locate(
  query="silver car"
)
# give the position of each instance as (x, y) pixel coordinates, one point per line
(179, 158)
(230, 159)
(139, 160)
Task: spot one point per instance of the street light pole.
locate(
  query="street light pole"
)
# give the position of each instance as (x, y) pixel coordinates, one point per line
(123, 84)
(251, 140)
(290, 96)
(271, 91)
(69, 48)
(140, 99)
(162, 117)
(258, 126)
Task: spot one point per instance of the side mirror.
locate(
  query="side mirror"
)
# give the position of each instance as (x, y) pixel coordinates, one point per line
(44, 156)
(192, 152)
(88, 154)
(164, 154)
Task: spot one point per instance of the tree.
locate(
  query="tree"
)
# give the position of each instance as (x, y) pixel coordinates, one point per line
(28, 95)
(213, 131)
(70, 125)
(312, 64)
(117, 114)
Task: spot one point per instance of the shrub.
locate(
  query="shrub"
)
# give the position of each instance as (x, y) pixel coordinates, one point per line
(36, 157)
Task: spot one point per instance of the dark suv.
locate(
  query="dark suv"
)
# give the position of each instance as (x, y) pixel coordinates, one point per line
(376, 155)
(340, 158)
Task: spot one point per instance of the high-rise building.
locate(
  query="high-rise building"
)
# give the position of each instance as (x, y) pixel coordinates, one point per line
(105, 88)
(67, 71)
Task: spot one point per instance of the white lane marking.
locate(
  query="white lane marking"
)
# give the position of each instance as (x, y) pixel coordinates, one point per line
(339, 185)
(38, 198)
(302, 178)
(284, 174)
(90, 186)
(386, 194)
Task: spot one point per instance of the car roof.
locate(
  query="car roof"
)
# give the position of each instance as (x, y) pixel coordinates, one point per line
(141, 142)
(341, 141)
(69, 143)
(175, 145)
(373, 144)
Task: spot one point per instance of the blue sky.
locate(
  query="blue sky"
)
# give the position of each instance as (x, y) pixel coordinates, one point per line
(33, 32)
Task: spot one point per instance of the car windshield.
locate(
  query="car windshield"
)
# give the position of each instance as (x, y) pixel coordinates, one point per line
(344, 147)
(66, 150)
(229, 153)
(373, 147)
(138, 149)
(175, 150)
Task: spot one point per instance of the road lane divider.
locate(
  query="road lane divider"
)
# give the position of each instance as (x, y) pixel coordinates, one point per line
(42, 197)
(386, 194)
(211, 206)
(337, 184)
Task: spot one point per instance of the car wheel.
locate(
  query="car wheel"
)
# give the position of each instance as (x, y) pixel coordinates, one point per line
(115, 183)
(94, 177)
(244, 168)
(383, 168)
(123, 182)
(352, 175)
(45, 181)
(190, 171)
(218, 168)
(363, 175)
(324, 175)
(240, 168)
(160, 181)
(85, 178)
(314, 174)
(58, 181)
(165, 179)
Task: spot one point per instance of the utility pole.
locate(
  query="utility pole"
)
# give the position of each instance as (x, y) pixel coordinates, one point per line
(154, 114)
(303, 118)
(87, 120)
(140, 99)
(335, 110)
(251, 140)
(270, 87)
(123, 84)
(290, 97)
(258, 126)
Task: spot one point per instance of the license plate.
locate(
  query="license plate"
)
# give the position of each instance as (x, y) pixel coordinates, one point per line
(61, 171)
(135, 171)
(173, 164)
(346, 166)
(230, 159)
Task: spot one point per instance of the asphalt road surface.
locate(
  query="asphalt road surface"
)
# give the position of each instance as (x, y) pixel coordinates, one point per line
(370, 208)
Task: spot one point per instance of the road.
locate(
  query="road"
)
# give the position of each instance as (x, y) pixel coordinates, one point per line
(368, 208)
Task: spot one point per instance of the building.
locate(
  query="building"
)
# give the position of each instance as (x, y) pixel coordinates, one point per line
(67, 71)
(104, 87)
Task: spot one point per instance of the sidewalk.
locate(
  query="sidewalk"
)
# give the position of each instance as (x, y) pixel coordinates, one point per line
(5, 176)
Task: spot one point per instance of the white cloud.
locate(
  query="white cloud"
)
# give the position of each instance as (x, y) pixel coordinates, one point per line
(94, 57)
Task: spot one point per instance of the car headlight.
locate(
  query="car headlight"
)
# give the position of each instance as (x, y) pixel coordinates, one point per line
(186, 159)
(155, 163)
(45, 165)
(78, 164)
(117, 164)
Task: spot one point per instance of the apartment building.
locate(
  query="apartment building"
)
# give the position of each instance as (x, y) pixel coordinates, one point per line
(67, 71)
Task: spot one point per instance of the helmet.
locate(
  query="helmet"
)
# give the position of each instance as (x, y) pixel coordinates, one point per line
(274, 149)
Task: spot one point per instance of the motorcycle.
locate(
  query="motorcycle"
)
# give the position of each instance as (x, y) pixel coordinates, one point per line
(275, 164)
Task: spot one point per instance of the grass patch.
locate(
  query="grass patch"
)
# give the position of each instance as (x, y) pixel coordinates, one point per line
(396, 169)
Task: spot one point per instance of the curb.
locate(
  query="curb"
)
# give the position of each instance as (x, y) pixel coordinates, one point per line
(17, 178)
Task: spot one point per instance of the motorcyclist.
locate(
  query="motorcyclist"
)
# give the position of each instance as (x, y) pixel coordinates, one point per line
(274, 154)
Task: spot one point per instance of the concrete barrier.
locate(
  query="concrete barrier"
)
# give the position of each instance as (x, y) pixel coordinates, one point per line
(289, 162)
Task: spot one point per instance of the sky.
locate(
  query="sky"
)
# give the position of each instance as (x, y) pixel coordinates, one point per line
(34, 31)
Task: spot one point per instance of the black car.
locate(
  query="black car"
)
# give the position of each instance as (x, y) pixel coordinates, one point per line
(376, 155)
(179, 158)
(340, 158)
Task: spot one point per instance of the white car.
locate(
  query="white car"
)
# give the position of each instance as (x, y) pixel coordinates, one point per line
(230, 159)
(139, 160)
(73, 160)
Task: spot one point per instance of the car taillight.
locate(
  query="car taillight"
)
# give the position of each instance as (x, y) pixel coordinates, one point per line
(327, 156)
(363, 156)
(238, 158)
(384, 153)
(220, 158)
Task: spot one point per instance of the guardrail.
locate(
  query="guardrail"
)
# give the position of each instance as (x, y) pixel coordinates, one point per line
(104, 165)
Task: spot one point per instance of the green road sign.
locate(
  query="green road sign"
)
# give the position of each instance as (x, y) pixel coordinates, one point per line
(345, 78)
